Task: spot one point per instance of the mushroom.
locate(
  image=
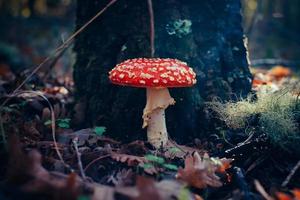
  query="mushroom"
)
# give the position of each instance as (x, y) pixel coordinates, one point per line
(156, 75)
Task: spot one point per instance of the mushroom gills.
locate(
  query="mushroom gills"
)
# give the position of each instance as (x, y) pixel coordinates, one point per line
(158, 99)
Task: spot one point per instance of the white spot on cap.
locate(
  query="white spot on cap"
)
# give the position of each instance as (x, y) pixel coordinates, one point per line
(142, 82)
(121, 76)
(155, 81)
(145, 75)
(164, 75)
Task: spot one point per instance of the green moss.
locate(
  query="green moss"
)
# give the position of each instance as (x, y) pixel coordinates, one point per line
(277, 116)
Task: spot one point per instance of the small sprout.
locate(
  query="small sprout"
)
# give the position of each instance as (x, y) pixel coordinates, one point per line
(158, 162)
(170, 167)
(147, 166)
(48, 122)
(155, 159)
(99, 130)
(61, 123)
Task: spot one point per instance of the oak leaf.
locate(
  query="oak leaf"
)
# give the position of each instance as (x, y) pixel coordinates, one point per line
(200, 171)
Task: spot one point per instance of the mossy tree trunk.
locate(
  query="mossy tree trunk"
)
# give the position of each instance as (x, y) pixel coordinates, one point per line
(207, 34)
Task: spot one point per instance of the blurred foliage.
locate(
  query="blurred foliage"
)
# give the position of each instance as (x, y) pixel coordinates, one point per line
(272, 27)
(287, 12)
(27, 8)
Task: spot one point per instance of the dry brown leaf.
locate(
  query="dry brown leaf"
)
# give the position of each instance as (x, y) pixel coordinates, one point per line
(200, 171)
(130, 160)
(146, 188)
(26, 171)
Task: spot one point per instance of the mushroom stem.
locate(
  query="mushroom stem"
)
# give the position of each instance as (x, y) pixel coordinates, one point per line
(154, 115)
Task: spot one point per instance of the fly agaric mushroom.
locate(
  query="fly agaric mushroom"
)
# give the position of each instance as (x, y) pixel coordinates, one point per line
(156, 75)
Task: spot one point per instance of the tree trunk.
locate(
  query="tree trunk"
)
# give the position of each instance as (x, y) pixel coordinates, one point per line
(206, 34)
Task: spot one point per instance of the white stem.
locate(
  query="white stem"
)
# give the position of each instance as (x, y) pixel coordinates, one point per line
(154, 115)
(157, 131)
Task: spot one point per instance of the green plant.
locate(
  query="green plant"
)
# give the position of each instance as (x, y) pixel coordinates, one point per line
(276, 113)
(99, 130)
(61, 123)
(156, 161)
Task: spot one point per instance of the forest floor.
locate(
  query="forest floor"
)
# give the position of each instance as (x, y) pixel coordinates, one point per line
(254, 153)
(43, 157)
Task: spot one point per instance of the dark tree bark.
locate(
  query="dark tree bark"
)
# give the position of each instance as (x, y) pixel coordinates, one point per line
(212, 44)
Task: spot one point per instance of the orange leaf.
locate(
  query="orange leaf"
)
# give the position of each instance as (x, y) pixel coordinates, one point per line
(283, 196)
(279, 72)
(296, 193)
(257, 82)
(225, 164)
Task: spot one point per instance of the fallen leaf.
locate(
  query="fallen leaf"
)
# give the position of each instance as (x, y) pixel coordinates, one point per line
(296, 193)
(27, 172)
(147, 190)
(199, 172)
(283, 196)
(130, 160)
(279, 72)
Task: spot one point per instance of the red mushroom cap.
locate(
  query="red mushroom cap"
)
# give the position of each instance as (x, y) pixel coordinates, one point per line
(153, 72)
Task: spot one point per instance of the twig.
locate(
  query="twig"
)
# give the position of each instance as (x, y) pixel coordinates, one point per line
(257, 162)
(261, 190)
(291, 174)
(58, 50)
(3, 132)
(75, 143)
(152, 29)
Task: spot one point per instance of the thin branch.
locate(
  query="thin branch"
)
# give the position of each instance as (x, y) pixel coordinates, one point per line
(75, 143)
(291, 174)
(152, 30)
(262, 190)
